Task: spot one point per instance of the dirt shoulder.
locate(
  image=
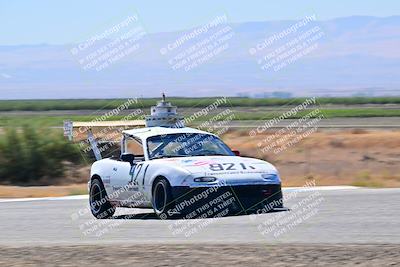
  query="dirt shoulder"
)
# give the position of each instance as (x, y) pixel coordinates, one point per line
(42, 191)
(203, 255)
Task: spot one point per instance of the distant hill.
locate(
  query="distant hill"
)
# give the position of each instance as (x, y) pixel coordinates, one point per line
(355, 55)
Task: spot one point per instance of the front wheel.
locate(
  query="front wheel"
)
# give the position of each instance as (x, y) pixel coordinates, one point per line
(100, 206)
(162, 199)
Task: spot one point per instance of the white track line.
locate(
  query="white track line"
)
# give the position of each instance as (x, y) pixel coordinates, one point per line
(321, 188)
(285, 189)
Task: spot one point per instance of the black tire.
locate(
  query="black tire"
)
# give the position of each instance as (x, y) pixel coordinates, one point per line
(162, 200)
(100, 207)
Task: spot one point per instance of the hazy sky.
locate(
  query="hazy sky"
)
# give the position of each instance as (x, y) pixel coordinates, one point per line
(46, 21)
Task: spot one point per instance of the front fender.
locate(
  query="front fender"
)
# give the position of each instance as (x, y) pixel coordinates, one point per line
(174, 174)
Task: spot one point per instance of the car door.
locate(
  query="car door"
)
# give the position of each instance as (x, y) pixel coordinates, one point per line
(121, 180)
(124, 175)
(139, 174)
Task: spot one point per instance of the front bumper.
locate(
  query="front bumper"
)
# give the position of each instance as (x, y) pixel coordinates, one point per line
(239, 199)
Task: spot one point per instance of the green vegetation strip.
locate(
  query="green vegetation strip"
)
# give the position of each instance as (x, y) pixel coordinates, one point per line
(95, 104)
(30, 156)
(40, 120)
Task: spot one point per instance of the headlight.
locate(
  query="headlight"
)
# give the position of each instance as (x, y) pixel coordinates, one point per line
(204, 179)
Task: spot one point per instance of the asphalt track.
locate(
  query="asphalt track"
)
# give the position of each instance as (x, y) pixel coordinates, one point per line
(326, 216)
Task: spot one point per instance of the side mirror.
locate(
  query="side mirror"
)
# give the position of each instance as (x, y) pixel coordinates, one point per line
(236, 152)
(128, 158)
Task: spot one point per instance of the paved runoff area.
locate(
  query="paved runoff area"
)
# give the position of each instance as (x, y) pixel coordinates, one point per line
(325, 226)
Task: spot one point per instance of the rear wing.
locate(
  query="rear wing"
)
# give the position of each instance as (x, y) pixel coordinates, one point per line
(95, 133)
(78, 130)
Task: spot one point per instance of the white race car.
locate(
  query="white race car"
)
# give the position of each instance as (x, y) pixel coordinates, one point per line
(182, 171)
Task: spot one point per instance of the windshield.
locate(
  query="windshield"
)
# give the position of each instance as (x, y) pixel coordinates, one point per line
(185, 145)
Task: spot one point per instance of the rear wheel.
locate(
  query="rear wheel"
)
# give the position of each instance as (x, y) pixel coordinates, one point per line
(162, 199)
(100, 207)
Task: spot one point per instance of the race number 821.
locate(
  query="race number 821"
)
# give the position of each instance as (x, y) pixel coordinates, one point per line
(229, 167)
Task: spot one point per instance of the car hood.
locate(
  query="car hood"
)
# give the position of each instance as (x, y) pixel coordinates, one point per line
(228, 168)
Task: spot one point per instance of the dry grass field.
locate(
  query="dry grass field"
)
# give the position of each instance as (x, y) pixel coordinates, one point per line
(331, 157)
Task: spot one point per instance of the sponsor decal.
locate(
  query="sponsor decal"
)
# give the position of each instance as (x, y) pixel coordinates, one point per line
(196, 163)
